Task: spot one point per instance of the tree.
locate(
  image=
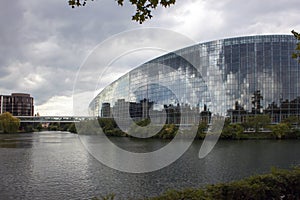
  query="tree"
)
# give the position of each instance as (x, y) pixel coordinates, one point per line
(168, 131)
(232, 131)
(72, 128)
(39, 127)
(280, 130)
(296, 54)
(291, 120)
(9, 123)
(143, 8)
(257, 122)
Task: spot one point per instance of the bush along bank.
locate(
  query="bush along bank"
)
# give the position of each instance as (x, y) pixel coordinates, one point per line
(279, 184)
(254, 128)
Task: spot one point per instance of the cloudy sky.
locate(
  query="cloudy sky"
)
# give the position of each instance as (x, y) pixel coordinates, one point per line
(44, 43)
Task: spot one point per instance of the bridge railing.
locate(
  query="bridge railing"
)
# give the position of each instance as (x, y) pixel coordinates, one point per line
(45, 119)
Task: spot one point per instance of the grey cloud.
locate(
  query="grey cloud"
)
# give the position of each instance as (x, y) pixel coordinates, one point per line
(43, 43)
(247, 15)
(49, 41)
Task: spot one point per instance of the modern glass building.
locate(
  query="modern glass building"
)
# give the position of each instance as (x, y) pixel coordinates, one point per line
(235, 77)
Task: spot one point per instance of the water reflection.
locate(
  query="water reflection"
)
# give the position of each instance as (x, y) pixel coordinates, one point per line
(15, 141)
(55, 165)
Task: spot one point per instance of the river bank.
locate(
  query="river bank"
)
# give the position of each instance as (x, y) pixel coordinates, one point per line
(256, 128)
(279, 184)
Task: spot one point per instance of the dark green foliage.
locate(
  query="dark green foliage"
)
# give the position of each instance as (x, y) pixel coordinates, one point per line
(115, 132)
(256, 122)
(53, 128)
(29, 129)
(168, 131)
(64, 126)
(296, 54)
(287, 129)
(143, 8)
(144, 122)
(107, 124)
(72, 128)
(296, 132)
(279, 184)
(291, 120)
(191, 194)
(77, 3)
(39, 127)
(106, 197)
(232, 131)
(280, 130)
(110, 127)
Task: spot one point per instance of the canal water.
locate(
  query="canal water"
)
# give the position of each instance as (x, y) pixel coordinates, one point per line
(55, 165)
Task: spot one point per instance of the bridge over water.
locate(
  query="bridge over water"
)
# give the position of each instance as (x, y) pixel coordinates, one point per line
(52, 119)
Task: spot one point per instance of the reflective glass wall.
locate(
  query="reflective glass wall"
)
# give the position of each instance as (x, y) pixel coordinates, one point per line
(234, 77)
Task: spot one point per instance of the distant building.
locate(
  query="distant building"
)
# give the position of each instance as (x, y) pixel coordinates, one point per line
(18, 104)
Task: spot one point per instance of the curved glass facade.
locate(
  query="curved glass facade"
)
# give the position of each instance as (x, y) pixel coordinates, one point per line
(234, 77)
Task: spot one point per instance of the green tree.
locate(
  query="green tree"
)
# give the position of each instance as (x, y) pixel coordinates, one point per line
(168, 131)
(257, 122)
(280, 130)
(291, 120)
(39, 127)
(9, 123)
(72, 128)
(143, 8)
(144, 122)
(29, 129)
(107, 124)
(232, 131)
(296, 54)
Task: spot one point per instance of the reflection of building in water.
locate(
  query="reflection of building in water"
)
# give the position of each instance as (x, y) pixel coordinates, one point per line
(137, 111)
(179, 114)
(234, 77)
(277, 113)
(105, 110)
(238, 114)
(205, 115)
(284, 110)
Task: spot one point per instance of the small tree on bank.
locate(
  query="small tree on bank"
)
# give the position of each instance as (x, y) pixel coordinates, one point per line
(9, 123)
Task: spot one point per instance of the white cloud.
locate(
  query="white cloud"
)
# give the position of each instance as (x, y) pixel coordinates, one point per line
(56, 106)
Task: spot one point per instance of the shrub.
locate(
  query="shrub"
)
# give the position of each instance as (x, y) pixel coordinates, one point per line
(29, 129)
(279, 184)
